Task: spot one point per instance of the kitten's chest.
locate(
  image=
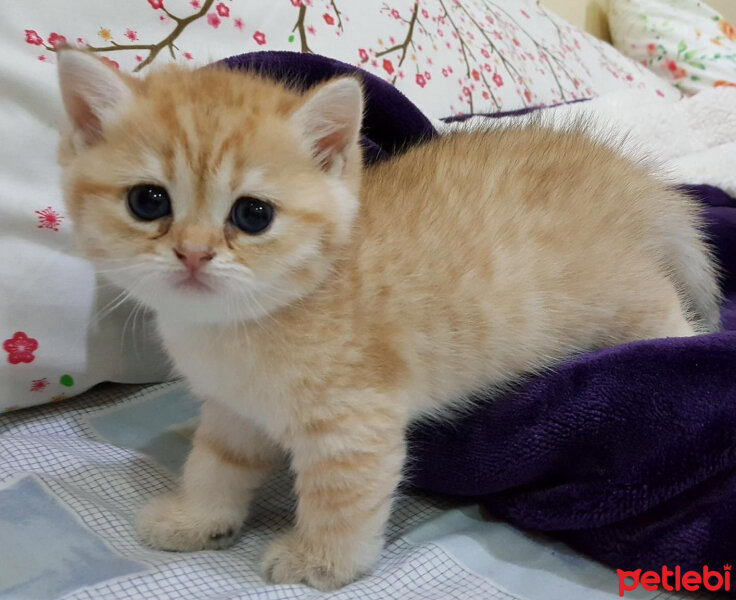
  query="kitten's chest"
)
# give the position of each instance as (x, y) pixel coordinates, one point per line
(233, 368)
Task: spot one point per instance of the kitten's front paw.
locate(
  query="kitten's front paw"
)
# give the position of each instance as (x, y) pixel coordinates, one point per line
(168, 522)
(291, 559)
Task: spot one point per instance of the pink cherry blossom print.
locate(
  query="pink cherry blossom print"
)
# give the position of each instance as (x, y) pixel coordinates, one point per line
(39, 385)
(194, 3)
(20, 348)
(328, 19)
(421, 81)
(222, 10)
(131, 35)
(188, 55)
(55, 40)
(213, 20)
(48, 218)
(497, 79)
(363, 55)
(238, 23)
(388, 66)
(33, 38)
(259, 37)
(296, 2)
(156, 4)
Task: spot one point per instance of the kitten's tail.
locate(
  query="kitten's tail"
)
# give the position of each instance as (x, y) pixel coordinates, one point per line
(692, 265)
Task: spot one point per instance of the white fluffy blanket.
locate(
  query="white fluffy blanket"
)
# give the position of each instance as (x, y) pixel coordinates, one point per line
(693, 139)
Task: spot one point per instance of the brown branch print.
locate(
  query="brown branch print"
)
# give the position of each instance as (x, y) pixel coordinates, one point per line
(153, 49)
(403, 46)
(466, 50)
(508, 65)
(337, 14)
(299, 26)
(546, 52)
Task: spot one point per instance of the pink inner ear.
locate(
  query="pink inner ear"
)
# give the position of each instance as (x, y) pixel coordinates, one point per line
(329, 146)
(84, 119)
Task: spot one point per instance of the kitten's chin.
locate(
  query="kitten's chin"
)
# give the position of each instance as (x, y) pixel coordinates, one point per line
(203, 303)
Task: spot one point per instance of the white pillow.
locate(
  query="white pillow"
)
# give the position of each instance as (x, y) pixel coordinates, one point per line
(446, 56)
(684, 41)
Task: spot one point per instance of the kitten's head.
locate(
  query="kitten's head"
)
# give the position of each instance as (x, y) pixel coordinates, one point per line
(209, 195)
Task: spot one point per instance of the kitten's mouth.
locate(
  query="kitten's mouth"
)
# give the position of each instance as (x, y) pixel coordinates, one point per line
(193, 281)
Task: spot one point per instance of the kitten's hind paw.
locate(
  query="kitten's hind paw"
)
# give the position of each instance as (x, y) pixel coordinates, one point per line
(169, 522)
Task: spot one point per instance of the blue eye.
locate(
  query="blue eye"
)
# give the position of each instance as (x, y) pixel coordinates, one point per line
(148, 202)
(251, 215)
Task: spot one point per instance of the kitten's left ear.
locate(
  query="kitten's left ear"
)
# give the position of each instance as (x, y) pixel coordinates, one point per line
(329, 122)
(93, 92)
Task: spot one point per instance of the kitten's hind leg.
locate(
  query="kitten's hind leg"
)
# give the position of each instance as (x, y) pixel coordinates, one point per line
(663, 318)
(228, 461)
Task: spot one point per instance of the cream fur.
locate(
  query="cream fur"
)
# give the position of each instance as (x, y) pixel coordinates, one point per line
(467, 262)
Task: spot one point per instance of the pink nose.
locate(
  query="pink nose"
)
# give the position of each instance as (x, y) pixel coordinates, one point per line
(194, 261)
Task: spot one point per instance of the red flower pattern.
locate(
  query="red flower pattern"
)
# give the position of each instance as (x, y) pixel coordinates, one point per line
(213, 20)
(260, 38)
(328, 19)
(388, 66)
(38, 385)
(33, 38)
(223, 10)
(363, 55)
(156, 4)
(20, 348)
(421, 81)
(131, 35)
(238, 23)
(56, 39)
(497, 79)
(48, 218)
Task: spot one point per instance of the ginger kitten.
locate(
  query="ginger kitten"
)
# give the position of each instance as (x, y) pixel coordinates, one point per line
(316, 307)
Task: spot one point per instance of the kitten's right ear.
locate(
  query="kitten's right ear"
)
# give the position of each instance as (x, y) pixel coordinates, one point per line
(93, 92)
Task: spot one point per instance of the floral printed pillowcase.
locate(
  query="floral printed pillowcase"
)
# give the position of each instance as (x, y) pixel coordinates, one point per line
(684, 41)
(447, 56)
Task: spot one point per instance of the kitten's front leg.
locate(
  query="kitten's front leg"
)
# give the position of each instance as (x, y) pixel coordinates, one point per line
(347, 469)
(228, 461)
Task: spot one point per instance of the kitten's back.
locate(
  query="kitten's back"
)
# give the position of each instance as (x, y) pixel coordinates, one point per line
(526, 245)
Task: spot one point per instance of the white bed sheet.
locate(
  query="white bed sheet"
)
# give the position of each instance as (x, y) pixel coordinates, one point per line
(73, 474)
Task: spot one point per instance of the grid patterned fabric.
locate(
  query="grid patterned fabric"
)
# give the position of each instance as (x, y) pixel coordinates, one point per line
(103, 485)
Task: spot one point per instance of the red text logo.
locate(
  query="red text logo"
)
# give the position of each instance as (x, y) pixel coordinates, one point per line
(675, 580)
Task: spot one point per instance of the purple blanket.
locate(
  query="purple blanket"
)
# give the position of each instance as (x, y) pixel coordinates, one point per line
(629, 453)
